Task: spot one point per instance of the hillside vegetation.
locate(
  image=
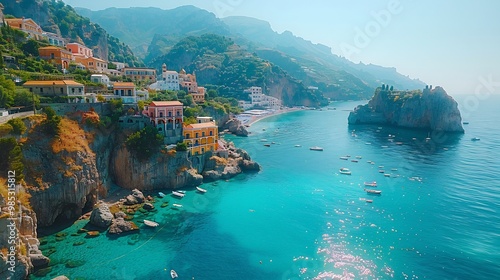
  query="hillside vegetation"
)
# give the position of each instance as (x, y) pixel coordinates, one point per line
(217, 61)
(57, 17)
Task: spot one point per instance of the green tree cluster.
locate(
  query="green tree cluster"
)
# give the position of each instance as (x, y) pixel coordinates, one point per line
(11, 157)
(51, 125)
(18, 126)
(144, 143)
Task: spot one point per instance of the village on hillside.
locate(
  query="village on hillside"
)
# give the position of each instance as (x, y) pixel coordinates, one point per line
(129, 85)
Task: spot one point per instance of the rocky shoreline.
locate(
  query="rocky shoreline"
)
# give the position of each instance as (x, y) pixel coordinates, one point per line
(430, 109)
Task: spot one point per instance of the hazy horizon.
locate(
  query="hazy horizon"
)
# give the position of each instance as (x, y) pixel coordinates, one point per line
(448, 44)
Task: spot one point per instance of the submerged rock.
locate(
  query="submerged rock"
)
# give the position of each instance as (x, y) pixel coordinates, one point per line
(119, 225)
(431, 109)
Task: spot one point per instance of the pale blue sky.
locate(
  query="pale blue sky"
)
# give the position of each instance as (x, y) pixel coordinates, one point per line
(444, 42)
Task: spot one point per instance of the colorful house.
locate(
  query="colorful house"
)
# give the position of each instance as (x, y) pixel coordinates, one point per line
(26, 25)
(79, 49)
(201, 137)
(140, 74)
(93, 64)
(199, 97)
(126, 91)
(168, 80)
(69, 88)
(167, 117)
(54, 39)
(57, 56)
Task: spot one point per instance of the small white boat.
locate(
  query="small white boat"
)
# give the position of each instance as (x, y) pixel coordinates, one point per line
(354, 160)
(359, 157)
(371, 184)
(263, 140)
(387, 175)
(201, 190)
(316, 148)
(381, 166)
(394, 169)
(150, 223)
(177, 205)
(475, 139)
(385, 146)
(160, 194)
(369, 201)
(373, 191)
(381, 171)
(345, 171)
(173, 274)
(178, 194)
(298, 146)
(465, 122)
(182, 191)
(344, 158)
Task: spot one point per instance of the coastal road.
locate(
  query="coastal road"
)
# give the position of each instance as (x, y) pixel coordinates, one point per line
(16, 115)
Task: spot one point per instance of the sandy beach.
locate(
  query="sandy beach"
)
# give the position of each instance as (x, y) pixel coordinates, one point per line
(250, 117)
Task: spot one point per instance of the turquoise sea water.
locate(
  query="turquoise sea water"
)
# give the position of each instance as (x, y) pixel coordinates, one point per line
(437, 216)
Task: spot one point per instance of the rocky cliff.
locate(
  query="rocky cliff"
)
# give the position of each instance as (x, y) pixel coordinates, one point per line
(431, 109)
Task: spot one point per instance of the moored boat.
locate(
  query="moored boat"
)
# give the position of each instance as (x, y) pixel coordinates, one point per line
(150, 223)
(177, 205)
(475, 139)
(373, 191)
(369, 201)
(345, 171)
(371, 184)
(201, 190)
(344, 158)
(316, 148)
(173, 274)
(160, 194)
(178, 194)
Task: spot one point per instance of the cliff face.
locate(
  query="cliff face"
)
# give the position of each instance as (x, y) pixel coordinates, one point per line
(432, 109)
(62, 172)
(162, 171)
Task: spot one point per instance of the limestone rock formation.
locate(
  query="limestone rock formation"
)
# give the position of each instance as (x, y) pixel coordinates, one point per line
(101, 216)
(235, 127)
(432, 109)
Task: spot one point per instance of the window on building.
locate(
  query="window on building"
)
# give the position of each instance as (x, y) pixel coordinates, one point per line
(31, 89)
(187, 136)
(211, 133)
(197, 135)
(203, 134)
(61, 90)
(202, 150)
(129, 92)
(80, 90)
(73, 90)
(52, 55)
(41, 90)
(169, 114)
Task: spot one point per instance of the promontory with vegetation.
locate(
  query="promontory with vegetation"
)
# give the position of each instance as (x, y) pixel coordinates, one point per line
(431, 109)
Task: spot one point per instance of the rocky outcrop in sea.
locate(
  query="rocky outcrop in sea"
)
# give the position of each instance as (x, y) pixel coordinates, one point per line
(235, 126)
(431, 109)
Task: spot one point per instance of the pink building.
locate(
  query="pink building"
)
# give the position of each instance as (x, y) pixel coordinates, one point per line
(166, 116)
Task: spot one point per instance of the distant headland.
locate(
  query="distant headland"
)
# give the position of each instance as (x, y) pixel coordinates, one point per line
(431, 109)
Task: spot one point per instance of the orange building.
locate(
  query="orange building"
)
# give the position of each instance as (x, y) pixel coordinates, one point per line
(93, 64)
(26, 25)
(80, 49)
(56, 56)
(201, 137)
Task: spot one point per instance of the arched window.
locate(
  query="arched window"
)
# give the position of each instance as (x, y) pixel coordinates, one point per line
(211, 133)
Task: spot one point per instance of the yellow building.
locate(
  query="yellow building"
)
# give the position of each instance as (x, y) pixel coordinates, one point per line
(57, 56)
(93, 64)
(201, 137)
(72, 90)
(140, 74)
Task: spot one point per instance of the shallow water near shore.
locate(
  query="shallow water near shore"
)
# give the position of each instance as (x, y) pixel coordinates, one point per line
(437, 216)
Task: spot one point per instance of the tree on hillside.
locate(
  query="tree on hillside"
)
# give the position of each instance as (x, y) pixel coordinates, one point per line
(52, 123)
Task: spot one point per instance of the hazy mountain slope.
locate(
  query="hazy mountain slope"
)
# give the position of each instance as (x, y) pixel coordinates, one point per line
(137, 26)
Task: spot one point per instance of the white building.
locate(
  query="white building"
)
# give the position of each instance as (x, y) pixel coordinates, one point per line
(260, 100)
(168, 80)
(100, 79)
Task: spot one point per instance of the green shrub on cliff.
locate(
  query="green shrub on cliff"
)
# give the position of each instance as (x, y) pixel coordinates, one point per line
(51, 125)
(18, 126)
(11, 157)
(144, 143)
(181, 147)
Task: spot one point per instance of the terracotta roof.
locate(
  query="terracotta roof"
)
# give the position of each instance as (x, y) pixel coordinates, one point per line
(51, 83)
(123, 84)
(201, 125)
(165, 103)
